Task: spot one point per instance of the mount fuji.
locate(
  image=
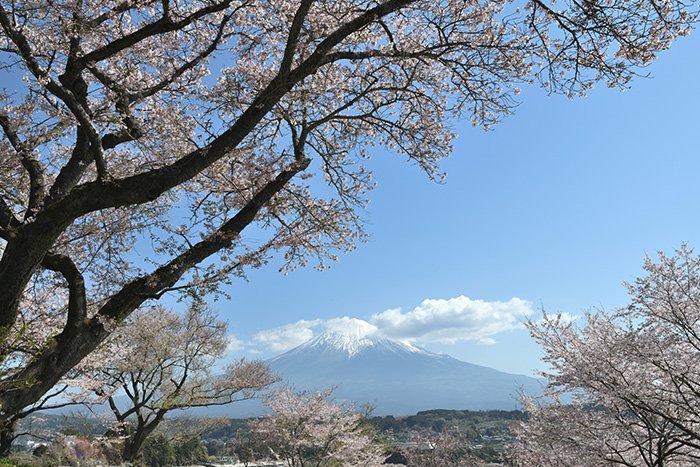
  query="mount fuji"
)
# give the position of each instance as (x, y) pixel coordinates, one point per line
(395, 377)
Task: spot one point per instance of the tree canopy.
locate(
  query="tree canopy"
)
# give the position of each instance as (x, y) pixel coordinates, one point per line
(632, 373)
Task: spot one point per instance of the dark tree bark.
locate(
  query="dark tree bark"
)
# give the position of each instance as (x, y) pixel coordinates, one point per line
(7, 436)
(134, 442)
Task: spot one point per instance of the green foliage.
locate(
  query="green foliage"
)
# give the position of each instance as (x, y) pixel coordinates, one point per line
(18, 461)
(497, 422)
(190, 451)
(157, 451)
(248, 447)
(74, 424)
(40, 450)
(227, 430)
(488, 454)
(71, 431)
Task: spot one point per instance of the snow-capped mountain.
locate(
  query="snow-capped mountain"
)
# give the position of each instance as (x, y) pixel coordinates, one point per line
(350, 343)
(397, 378)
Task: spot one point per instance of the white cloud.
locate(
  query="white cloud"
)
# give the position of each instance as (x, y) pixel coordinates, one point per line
(487, 341)
(444, 321)
(286, 337)
(234, 344)
(350, 326)
(452, 320)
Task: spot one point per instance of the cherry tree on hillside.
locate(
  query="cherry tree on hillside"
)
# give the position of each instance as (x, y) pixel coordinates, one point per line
(308, 429)
(162, 361)
(120, 116)
(634, 375)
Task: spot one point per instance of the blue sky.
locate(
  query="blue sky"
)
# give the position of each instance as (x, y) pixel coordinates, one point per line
(556, 206)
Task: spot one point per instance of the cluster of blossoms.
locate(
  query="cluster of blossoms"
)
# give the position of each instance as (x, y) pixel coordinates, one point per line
(310, 429)
(633, 376)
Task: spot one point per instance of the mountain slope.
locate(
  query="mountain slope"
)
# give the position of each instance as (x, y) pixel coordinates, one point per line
(397, 378)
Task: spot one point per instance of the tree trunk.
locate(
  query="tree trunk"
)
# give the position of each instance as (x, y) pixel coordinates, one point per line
(133, 444)
(19, 261)
(7, 436)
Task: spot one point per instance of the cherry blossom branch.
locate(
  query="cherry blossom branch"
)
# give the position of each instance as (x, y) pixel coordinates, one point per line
(44, 403)
(127, 97)
(144, 187)
(133, 130)
(109, 14)
(35, 169)
(161, 26)
(43, 77)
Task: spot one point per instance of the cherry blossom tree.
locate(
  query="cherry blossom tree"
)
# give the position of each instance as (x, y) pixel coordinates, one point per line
(309, 430)
(577, 434)
(633, 375)
(162, 361)
(143, 139)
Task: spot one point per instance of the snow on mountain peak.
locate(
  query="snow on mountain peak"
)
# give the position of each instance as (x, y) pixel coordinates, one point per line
(346, 334)
(350, 335)
(351, 328)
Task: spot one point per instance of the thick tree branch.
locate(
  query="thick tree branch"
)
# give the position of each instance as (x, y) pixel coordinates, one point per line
(340, 34)
(77, 302)
(70, 174)
(34, 168)
(115, 410)
(293, 37)
(136, 292)
(7, 220)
